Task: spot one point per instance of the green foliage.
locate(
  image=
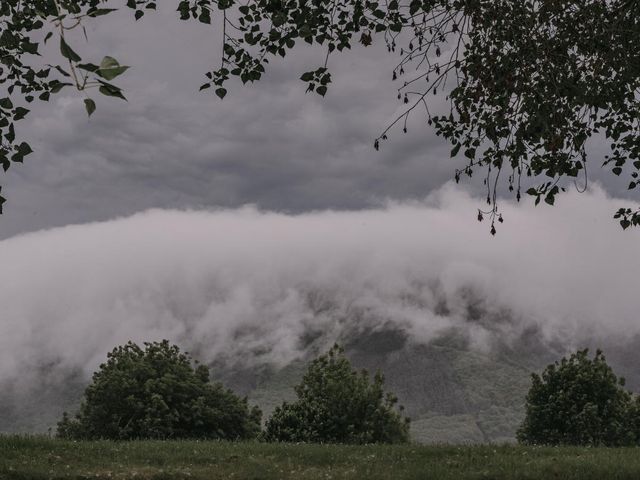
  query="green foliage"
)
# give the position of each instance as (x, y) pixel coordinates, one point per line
(336, 404)
(155, 393)
(579, 401)
(529, 82)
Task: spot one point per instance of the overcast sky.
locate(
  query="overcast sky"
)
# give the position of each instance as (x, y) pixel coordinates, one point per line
(170, 146)
(204, 276)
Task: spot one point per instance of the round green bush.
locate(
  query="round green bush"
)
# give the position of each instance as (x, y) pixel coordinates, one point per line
(154, 392)
(337, 404)
(578, 401)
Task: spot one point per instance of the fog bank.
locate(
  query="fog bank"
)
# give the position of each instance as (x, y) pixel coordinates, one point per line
(252, 286)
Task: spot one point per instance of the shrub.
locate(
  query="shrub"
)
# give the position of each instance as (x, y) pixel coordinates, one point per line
(337, 404)
(578, 401)
(155, 393)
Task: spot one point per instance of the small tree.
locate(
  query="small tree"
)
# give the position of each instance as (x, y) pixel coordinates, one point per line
(578, 401)
(337, 404)
(155, 393)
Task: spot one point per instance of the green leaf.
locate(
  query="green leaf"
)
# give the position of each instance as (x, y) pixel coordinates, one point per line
(24, 149)
(414, 6)
(110, 68)
(98, 12)
(205, 17)
(321, 90)
(11, 134)
(67, 51)
(30, 47)
(455, 150)
(62, 71)
(90, 106)
(6, 103)
(56, 86)
(19, 113)
(111, 91)
(89, 67)
(307, 76)
(221, 92)
(279, 19)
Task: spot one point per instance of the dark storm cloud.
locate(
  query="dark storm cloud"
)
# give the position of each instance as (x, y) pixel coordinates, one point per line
(173, 147)
(170, 146)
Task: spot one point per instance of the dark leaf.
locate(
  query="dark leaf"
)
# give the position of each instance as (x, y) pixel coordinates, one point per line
(67, 51)
(90, 106)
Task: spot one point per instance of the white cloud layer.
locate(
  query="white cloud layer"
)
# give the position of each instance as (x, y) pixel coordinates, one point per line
(230, 282)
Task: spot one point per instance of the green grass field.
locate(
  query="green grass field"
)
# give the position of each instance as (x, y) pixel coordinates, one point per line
(43, 458)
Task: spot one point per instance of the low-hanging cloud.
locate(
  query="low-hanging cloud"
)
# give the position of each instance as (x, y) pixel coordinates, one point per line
(242, 283)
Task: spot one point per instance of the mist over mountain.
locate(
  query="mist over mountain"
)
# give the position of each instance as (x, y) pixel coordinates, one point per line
(456, 319)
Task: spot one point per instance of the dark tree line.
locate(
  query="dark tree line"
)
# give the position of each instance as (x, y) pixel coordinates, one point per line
(155, 392)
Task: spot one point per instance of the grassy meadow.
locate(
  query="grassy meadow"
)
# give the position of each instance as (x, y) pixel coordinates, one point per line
(23, 458)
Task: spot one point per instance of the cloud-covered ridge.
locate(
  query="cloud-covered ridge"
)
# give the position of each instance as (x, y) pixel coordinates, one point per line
(232, 282)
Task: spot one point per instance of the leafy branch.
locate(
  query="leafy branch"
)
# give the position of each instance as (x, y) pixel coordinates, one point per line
(529, 85)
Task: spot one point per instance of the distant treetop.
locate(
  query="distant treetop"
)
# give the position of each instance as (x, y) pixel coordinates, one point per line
(579, 401)
(337, 404)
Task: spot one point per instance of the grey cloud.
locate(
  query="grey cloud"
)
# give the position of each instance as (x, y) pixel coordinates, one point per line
(269, 144)
(170, 146)
(229, 283)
